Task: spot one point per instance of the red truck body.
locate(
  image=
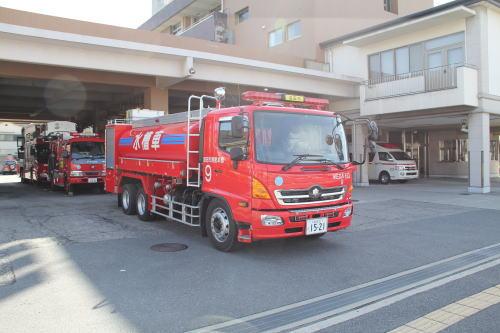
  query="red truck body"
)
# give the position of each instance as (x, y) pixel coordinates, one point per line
(77, 160)
(34, 164)
(237, 185)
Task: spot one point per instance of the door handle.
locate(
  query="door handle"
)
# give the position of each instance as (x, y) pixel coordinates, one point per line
(218, 171)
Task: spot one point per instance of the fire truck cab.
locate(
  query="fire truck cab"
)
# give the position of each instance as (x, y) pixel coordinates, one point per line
(76, 159)
(277, 168)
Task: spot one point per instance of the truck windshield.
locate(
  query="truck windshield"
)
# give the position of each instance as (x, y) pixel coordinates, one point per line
(400, 156)
(281, 136)
(87, 150)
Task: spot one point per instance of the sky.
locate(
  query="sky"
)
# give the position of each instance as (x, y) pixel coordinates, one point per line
(125, 13)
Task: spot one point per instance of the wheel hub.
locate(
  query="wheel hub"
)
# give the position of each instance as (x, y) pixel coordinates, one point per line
(219, 224)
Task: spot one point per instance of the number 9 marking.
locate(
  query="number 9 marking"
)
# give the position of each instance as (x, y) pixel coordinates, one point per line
(208, 173)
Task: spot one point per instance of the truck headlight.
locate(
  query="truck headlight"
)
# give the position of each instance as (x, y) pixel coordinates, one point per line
(103, 173)
(76, 173)
(400, 167)
(348, 211)
(271, 221)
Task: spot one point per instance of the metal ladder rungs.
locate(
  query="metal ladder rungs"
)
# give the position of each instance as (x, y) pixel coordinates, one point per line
(193, 134)
(197, 169)
(194, 152)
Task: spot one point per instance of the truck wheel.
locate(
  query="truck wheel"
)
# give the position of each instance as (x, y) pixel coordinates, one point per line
(129, 197)
(143, 211)
(220, 225)
(70, 189)
(384, 178)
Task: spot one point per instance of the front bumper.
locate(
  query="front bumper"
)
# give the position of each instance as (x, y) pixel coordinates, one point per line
(404, 175)
(294, 222)
(85, 180)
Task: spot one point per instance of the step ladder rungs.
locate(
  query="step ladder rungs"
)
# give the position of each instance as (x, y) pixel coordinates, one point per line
(193, 134)
(193, 152)
(197, 169)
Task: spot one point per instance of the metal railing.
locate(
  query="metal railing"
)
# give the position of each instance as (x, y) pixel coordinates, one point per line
(422, 81)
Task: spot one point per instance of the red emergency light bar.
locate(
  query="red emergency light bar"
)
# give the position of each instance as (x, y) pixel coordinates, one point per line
(261, 98)
(389, 145)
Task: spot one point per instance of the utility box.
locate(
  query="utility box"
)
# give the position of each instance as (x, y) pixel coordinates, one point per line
(60, 127)
(138, 114)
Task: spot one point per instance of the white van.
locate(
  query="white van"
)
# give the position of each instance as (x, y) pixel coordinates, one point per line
(387, 162)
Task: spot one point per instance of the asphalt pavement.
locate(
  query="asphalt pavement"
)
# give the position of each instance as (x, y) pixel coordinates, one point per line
(79, 264)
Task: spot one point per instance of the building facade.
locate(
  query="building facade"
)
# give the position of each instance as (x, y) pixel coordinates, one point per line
(282, 26)
(432, 81)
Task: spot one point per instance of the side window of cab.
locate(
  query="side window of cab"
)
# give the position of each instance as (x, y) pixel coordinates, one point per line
(383, 156)
(226, 140)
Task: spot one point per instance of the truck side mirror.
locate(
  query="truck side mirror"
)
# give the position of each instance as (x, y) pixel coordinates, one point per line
(237, 154)
(238, 127)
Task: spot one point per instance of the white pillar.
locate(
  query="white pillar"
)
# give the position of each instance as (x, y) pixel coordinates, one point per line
(479, 152)
(359, 135)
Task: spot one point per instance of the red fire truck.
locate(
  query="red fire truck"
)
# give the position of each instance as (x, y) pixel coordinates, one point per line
(34, 154)
(76, 159)
(277, 168)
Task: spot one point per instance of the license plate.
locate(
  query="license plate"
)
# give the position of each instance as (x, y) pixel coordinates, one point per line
(316, 226)
(92, 180)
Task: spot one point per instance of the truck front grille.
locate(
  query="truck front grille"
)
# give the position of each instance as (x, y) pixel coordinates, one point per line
(410, 168)
(294, 197)
(91, 173)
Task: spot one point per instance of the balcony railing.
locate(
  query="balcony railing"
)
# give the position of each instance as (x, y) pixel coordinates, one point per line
(427, 80)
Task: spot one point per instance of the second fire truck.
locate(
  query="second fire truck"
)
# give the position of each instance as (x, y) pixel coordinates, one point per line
(76, 159)
(277, 168)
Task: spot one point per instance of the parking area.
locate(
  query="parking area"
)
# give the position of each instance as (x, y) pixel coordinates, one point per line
(79, 264)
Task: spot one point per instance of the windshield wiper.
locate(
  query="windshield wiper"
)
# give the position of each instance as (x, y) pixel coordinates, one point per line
(327, 161)
(298, 158)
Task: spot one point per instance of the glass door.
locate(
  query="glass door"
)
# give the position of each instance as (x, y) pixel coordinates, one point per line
(434, 75)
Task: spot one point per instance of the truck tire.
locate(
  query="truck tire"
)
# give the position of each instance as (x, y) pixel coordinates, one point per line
(129, 197)
(220, 226)
(384, 178)
(143, 211)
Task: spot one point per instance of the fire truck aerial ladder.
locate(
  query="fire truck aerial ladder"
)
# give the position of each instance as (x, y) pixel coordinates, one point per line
(276, 168)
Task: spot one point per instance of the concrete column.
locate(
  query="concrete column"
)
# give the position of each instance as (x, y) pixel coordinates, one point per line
(156, 99)
(479, 152)
(359, 135)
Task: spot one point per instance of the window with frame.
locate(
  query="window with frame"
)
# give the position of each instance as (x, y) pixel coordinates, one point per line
(176, 28)
(242, 15)
(412, 58)
(391, 6)
(453, 150)
(276, 37)
(494, 150)
(294, 30)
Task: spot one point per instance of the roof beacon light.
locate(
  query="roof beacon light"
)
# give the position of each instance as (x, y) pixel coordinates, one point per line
(263, 98)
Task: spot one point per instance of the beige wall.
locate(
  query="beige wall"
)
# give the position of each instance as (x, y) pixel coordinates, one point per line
(23, 18)
(321, 20)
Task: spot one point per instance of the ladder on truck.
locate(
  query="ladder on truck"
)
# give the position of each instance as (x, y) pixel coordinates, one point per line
(193, 174)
